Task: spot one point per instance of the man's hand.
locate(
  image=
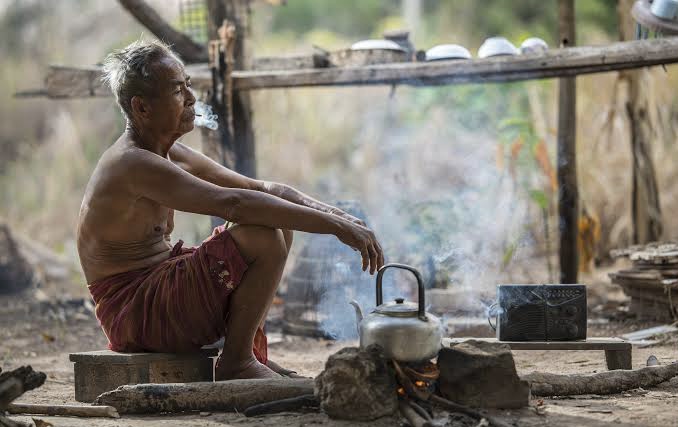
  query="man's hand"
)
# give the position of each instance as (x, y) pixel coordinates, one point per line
(347, 217)
(362, 239)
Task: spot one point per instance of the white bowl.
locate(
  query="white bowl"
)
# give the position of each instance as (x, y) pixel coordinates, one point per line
(447, 51)
(496, 46)
(376, 44)
(533, 45)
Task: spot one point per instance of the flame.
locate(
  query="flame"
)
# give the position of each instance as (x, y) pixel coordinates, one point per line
(401, 391)
(420, 383)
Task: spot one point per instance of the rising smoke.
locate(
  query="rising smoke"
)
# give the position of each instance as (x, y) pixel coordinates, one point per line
(436, 199)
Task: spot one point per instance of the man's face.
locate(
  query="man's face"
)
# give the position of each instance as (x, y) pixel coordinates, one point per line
(171, 105)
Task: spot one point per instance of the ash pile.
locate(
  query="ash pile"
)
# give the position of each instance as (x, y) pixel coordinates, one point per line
(652, 281)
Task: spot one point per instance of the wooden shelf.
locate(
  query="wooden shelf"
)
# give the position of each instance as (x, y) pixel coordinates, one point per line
(70, 82)
(553, 63)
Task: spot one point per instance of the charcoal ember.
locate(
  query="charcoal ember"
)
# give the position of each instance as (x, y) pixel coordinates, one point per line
(482, 375)
(357, 384)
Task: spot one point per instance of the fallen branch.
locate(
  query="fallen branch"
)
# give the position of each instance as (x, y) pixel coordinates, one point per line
(234, 395)
(65, 410)
(189, 50)
(609, 382)
(15, 383)
(283, 405)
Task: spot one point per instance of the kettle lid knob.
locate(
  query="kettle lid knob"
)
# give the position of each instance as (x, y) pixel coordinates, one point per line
(399, 300)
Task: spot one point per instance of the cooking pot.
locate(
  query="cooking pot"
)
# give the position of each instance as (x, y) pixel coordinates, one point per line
(404, 329)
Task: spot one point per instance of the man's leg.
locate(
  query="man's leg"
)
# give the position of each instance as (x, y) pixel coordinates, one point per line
(289, 238)
(265, 251)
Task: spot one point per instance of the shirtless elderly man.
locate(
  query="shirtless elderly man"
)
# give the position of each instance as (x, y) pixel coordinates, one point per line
(151, 295)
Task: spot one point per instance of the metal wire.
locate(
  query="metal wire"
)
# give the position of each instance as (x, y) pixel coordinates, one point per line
(193, 19)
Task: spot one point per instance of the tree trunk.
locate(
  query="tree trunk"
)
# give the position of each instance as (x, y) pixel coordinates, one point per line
(645, 206)
(568, 193)
(16, 274)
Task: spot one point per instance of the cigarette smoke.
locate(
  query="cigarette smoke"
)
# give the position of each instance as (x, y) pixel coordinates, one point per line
(204, 116)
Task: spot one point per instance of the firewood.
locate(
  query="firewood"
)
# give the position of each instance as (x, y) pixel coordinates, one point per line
(66, 410)
(478, 415)
(412, 416)
(234, 395)
(609, 382)
(15, 383)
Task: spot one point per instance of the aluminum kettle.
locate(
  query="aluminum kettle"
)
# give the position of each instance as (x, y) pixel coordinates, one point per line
(403, 329)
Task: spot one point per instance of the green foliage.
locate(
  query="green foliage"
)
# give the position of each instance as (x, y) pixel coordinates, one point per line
(540, 198)
(352, 18)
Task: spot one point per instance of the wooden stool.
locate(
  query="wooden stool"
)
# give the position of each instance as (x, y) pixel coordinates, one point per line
(617, 351)
(100, 371)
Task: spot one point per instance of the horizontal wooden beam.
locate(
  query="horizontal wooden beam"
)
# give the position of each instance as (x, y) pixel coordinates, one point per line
(64, 82)
(71, 82)
(553, 63)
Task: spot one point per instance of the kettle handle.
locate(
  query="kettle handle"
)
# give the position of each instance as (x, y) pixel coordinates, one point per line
(420, 286)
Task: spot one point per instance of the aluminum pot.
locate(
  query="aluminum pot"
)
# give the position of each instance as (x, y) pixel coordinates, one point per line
(403, 329)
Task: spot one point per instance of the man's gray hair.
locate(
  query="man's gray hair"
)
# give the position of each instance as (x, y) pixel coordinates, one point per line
(128, 71)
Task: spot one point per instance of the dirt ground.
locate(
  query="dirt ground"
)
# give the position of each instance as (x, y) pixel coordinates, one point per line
(42, 335)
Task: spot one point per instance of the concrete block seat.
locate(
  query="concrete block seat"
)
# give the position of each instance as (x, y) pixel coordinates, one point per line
(100, 371)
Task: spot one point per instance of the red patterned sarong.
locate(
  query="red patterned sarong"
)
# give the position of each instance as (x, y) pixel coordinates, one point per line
(176, 306)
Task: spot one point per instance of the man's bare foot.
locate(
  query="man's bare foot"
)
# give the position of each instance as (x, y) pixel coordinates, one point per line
(282, 371)
(250, 368)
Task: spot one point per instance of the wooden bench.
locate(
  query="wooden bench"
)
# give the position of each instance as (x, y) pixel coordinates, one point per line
(100, 371)
(617, 351)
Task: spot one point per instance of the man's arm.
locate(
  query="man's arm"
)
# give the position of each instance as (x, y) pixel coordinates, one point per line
(201, 166)
(154, 177)
(293, 195)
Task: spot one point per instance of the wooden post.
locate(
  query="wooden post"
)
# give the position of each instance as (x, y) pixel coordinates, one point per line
(233, 146)
(234, 151)
(568, 194)
(645, 206)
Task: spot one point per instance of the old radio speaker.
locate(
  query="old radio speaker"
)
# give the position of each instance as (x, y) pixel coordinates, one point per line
(541, 312)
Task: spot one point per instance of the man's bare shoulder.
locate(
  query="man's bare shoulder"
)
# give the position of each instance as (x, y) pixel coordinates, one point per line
(124, 162)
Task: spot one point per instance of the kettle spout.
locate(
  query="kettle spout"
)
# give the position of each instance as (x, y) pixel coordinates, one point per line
(358, 314)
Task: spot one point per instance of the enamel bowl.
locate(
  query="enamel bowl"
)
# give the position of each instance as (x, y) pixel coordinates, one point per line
(533, 45)
(376, 44)
(447, 51)
(496, 46)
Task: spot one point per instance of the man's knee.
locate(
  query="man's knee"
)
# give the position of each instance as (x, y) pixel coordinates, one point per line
(256, 241)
